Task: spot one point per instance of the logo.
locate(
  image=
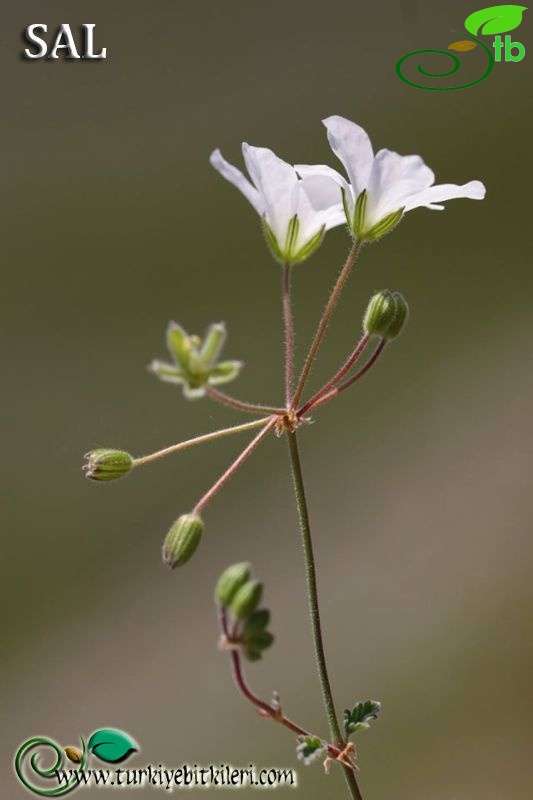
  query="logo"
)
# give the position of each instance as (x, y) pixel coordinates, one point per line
(487, 22)
(108, 745)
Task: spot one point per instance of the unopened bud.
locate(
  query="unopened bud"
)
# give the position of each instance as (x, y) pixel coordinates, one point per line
(182, 540)
(401, 317)
(230, 582)
(105, 464)
(246, 599)
(385, 315)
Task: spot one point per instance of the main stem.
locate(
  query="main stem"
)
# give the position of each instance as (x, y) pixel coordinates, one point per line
(314, 609)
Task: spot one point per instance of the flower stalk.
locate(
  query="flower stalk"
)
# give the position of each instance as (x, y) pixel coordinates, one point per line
(324, 320)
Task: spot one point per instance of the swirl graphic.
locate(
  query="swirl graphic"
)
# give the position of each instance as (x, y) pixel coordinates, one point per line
(456, 66)
(45, 773)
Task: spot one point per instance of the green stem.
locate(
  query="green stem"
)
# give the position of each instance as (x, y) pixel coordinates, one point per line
(314, 609)
(206, 437)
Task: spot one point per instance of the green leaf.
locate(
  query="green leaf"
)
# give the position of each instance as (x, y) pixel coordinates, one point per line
(224, 372)
(495, 19)
(310, 749)
(360, 717)
(256, 623)
(179, 344)
(111, 745)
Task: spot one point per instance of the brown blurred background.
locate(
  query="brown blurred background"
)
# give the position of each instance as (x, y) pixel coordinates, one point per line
(419, 481)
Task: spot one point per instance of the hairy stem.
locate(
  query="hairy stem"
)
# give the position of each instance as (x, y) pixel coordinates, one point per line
(289, 332)
(324, 398)
(324, 320)
(240, 405)
(346, 367)
(314, 609)
(248, 450)
(206, 437)
(266, 709)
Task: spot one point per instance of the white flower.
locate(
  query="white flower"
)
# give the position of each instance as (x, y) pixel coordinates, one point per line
(296, 212)
(384, 186)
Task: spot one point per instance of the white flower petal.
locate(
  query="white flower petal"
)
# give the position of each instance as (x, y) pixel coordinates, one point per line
(277, 183)
(352, 146)
(393, 179)
(236, 177)
(474, 190)
(320, 205)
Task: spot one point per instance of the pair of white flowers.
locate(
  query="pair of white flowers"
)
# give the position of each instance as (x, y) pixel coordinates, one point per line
(298, 204)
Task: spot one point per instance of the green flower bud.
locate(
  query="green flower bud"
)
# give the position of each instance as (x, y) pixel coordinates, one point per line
(230, 582)
(246, 599)
(401, 317)
(380, 313)
(105, 464)
(182, 540)
(386, 315)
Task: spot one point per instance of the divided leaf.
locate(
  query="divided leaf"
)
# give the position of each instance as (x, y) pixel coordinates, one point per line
(310, 749)
(360, 717)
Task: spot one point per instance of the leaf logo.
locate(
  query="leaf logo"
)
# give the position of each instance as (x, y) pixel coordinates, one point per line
(111, 745)
(462, 46)
(496, 19)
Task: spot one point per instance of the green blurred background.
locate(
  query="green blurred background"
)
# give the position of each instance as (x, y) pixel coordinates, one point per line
(419, 481)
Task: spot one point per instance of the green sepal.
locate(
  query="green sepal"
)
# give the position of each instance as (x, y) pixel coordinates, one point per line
(358, 225)
(272, 242)
(179, 344)
(308, 249)
(310, 749)
(386, 225)
(291, 238)
(349, 218)
(166, 372)
(360, 717)
(224, 372)
(214, 340)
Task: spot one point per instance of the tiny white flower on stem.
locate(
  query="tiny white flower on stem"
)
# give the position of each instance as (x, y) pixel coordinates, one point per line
(296, 212)
(381, 187)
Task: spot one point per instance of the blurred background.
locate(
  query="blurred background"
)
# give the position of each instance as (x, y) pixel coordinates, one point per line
(419, 480)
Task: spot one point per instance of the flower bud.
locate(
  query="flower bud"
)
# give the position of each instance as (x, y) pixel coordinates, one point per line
(386, 315)
(401, 317)
(247, 599)
(182, 540)
(379, 314)
(105, 464)
(230, 582)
